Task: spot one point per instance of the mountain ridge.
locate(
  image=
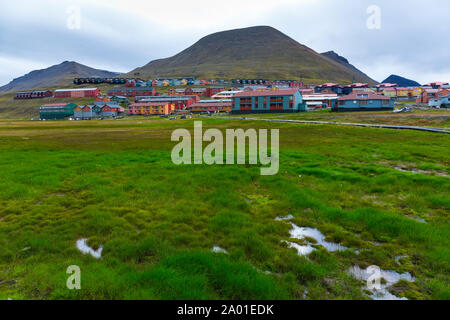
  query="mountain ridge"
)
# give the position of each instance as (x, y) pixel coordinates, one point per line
(344, 61)
(401, 81)
(254, 52)
(56, 75)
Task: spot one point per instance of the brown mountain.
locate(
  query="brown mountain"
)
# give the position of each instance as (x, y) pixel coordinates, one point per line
(256, 52)
(58, 75)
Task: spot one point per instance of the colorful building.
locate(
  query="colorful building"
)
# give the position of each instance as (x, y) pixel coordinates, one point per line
(289, 100)
(440, 102)
(77, 93)
(151, 108)
(427, 95)
(210, 91)
(403, 93)
(57, 111)
(226, 94)
(40, 94)
(98, 110)
(132, 92)
(329, 88)
(382, 86)
(364, 101)
(319, 101)
(179, 102)
(390, 92)
(211, 106)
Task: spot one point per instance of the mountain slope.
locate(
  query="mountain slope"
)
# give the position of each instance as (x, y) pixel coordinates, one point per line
(57, 75)
(343, 61)
(256, 52)
(401, 82)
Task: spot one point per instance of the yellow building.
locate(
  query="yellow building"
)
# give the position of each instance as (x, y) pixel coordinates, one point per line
(402, 92)
(149, 108)
(415, 92)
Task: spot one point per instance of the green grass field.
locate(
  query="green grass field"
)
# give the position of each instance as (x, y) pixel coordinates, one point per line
(113, 183)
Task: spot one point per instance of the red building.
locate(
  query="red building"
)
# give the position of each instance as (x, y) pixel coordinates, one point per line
(214, 90)
(180, 102)
(77, 93)
(33, 94)
(132, 92)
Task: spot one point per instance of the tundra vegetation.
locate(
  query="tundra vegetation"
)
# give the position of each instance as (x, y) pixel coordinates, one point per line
(383, 194)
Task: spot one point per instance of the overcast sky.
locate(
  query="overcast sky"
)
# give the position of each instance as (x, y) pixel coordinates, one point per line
(410, 38)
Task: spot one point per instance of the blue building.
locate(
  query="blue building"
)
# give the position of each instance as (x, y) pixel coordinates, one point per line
(268, 101)
(364, 101)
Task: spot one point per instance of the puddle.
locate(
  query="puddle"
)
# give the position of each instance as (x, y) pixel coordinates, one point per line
(287, 218)
(302, 250)
(85, 249)
(305, 233)
(218, 249)
(390, 276)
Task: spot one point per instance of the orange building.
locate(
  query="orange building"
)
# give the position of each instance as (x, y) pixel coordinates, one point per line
(151, 108)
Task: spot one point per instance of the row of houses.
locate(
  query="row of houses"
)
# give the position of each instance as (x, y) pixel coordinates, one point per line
(159, 82)
(61, 111)
(132, 92)
(291, 100)
(179, 102)
(208, 92)
(39, 94)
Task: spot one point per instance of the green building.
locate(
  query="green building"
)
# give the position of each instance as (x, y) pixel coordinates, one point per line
(57, 111)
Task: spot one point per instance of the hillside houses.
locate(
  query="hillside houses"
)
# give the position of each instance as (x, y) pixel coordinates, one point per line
(40, 94)
(132, 92)
(77, 93)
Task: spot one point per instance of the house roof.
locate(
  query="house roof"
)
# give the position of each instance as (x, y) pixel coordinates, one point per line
(55, 104)
(386, 85)
(357, 84)
(212, 104)
(70, 90)
(363, 96)
(436, 84)
(328, 84)
(148, 104)
(281, 92)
